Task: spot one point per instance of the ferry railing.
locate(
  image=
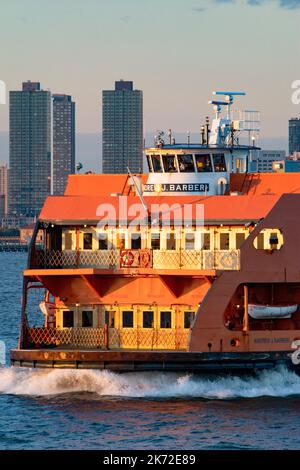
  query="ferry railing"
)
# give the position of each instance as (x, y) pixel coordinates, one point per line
(156, 259)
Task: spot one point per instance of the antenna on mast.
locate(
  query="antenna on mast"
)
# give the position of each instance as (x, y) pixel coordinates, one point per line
(229, 96)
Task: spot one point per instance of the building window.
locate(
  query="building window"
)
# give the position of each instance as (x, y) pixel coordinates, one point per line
(155, 241)
(203, 163)
(127, 319)
(87, 241)
(186, 164)
(188, 319)
(171, 241)
(103, 241)
(148, 317)
(165, 319)
(224, 241)
(189, 241)
(239, 240)
(136, 241)
(68, 319)
(219, 162)
(87, 318)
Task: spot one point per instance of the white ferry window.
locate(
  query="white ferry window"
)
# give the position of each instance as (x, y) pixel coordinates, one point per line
(155, 241)
(239, 240)
(203, 163)
(224, 241)
(186, 164)
(156, 164)
(171, 242)
(188, 319)
(87, 241)
(127, 319)
(189, 241)
(103, 241)
(136, 241)
(165, 319)
(169, 163)
(68, 241)
(205, 239)
(219, 162)
(149, 164)
(68, 319)
(148, 317)
(87, 318)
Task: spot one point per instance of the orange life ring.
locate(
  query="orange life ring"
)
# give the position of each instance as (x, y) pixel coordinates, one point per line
(126, 258)
(145, 259)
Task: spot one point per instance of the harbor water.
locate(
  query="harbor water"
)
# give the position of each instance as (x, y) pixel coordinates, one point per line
(78, 409)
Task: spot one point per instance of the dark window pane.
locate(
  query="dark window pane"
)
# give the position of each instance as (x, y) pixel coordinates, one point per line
(136, 241)
(203, 163)
(260, 241)
(87, 241)
(188, 319)
(156, 164)
(169, 163)
(239, 240)
(103, 241)
(171, 242)
(224, 241)
(155, 241)
(186, 164)
(87, 318)
(149, 163)
(110, 318)
(219, 162)
(148, 319)
(128, 319)
(68, 319)
(165, 319)
(68, 241)
(205, 241)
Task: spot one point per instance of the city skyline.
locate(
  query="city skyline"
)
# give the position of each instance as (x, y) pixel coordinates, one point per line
(221, 49)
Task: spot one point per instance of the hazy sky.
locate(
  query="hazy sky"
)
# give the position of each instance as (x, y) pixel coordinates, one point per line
(176, 51)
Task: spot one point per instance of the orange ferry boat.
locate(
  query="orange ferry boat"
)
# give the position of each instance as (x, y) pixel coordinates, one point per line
(192, 267)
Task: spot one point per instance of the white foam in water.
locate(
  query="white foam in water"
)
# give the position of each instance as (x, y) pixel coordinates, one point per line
(277, 383)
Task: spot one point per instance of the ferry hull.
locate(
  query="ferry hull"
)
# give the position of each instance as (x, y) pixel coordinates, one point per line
(129, 361)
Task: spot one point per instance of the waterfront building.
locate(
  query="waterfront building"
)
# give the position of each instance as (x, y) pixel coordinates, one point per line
(122, 129)
(294, 135)
(4, 189)
(63, 142)
(263, 160)
(29, 149)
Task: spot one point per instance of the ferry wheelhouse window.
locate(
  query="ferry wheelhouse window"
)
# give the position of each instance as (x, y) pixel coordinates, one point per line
(87, 318)
(68, 319)
(186, 164)
(155, 241)
(148, 317)
(189, 241)
(203, 163)
(149, 163)
(188, 319)
(165, 319)
(136, 241)
(103, 241)
(127, 318)
(87, 241)
(219, 162)
(156, 162)
(169, 162)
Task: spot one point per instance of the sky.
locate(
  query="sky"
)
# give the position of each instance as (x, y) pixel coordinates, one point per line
(176, 51)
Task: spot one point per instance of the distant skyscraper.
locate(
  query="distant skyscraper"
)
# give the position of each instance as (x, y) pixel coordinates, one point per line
(63, 141)
(29, 149)
(122, 129)
(294, 135)
(4, 188)
(264, 159)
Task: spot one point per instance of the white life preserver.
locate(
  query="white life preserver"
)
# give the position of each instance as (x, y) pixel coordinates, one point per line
(296, 357)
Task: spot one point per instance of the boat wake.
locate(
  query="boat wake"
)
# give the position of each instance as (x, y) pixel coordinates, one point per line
(276, 383)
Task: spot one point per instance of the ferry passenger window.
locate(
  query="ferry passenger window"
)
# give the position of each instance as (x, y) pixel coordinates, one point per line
(189, 241)
(103, 241)
(68, 319)
(188, 319)
(169, 162)
(171, 241)
(127, 319)
(87, 318)
(155, 241)
(87, 241)
(156, 164)
(68, 241)
(110, 318)
(165, 319)
(260, 241)
(149, 164)
(120, 241)
(239, 240)
(203, 163)
(136, 241)
(224, 241)
(186, 163)
(205, 241)
(219, 162)
(148, 319)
